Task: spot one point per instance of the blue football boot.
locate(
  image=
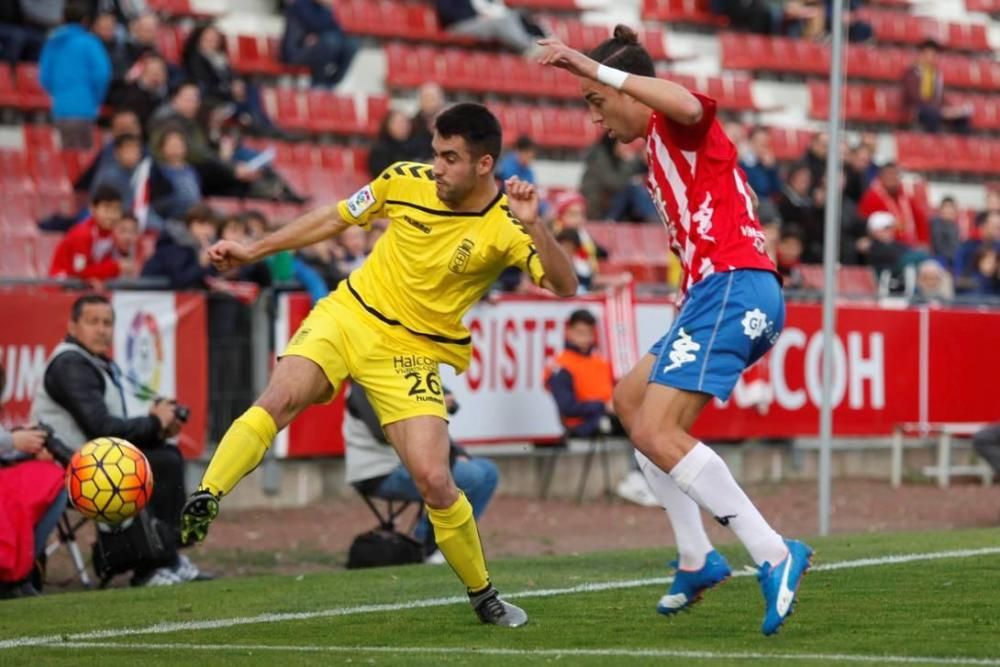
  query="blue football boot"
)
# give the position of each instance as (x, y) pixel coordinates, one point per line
(689, 585)
(780, 582)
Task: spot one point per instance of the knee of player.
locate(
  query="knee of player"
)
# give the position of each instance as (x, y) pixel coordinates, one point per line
(652, 439)
(433, 482)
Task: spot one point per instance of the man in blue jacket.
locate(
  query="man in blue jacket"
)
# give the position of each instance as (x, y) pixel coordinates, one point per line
(75, 71)
(314, 38)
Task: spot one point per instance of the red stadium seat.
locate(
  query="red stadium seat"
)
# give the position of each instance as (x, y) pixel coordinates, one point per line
(8, 91)
(558, 5)
(681, 11)
(378, 107)
(327, 112)
(44, 247)
(31, 95)
(790, 143)
(287, 108)
(17, 253)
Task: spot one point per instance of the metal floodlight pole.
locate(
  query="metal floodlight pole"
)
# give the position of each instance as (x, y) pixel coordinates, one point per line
(831, 238)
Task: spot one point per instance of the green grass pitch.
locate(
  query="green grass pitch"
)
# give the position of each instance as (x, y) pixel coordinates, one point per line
(854, 608)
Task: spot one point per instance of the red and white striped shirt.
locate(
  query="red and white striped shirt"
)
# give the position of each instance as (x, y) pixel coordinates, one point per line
(703, 197)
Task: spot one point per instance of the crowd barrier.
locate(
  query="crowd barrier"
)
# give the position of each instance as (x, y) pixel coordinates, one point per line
(891, 366)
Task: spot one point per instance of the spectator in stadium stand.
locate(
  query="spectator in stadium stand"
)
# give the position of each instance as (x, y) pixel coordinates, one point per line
(815, 157)
(612, 182)
(105, 28)
(82, 397)
(219, 177)
(145, 91)
(430, 101)
(352, 249)
(858, 171)
(518, 161)
(374, 469)
(141, 39)
(934, 284)
(314, 38)
(181, 254)
(924, 98)
(124, 11)
(569, 241)
(797, 206)
(24, 25)
(75, 71)
(32, 498)
(235, 228)
(788, 255)
(886, 193)
(488, 21)
(945, 236)
(759, 164)
(322, 258)
(987, 444)
(184, 181)
(580, 380)
(992, 205)
(987, 236)
(883, 250)
(852, 226)
(754, 16)
(127, 250)
(571, 213)
(119, 171)
(982, 280)
(206, 62)
(393, 143)
(86, 251)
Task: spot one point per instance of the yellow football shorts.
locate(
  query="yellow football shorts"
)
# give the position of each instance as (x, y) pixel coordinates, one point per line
(397, 371)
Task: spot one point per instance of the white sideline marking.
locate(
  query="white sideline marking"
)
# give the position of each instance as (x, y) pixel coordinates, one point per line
(553, 652)
(213, 624)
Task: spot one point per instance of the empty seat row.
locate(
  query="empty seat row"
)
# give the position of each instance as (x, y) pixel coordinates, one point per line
(550, 127)
(899, 27)
(988, 6)
(948, 153)
(682, 11)
(883, 104)
(794, 56)
(25, 253)
(320, 111)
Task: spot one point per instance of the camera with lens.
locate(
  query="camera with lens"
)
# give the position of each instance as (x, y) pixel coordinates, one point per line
(60, 452)
(181, 411)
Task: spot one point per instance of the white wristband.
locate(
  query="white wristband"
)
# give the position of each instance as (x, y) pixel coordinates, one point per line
(610, 76)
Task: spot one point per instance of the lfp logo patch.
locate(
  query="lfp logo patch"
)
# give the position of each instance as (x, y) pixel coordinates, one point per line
(144, 355)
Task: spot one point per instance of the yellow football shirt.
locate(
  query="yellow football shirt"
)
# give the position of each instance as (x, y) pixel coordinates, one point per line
(432, 264)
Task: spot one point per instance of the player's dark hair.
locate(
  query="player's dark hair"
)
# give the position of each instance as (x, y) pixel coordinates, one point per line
(76, 312)
(623, 51)
(105, 193)
(581, 317)
(474, 123)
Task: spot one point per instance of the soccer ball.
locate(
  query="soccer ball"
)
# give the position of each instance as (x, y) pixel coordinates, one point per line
(109, 480)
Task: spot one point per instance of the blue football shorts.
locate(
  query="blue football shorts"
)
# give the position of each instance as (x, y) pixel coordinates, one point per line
(728, 321)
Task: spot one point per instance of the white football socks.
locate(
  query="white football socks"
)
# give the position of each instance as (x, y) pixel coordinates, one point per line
(704, 476)
(684, 514)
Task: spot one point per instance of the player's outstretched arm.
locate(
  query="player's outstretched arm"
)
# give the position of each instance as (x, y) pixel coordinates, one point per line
(673, 100)
(560, 278)
(316, 225)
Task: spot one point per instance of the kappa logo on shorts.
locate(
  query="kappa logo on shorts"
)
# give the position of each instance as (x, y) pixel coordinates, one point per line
(682, 351)
(754, 324)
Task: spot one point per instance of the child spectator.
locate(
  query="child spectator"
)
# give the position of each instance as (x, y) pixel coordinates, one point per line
(75, 71)
(87, 249)
(235, 228)
(518, 162)
(983, 279)
(945, 237)
(182, 250)
(989, 238)
(353, 250)
(126, 249)
(789, 255)
(185, 184)
(120, 170)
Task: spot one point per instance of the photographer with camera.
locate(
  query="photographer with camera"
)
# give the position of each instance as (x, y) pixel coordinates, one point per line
(32, 499)
(82, 397)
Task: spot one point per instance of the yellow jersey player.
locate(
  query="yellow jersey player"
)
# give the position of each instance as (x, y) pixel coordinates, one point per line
(391, 323)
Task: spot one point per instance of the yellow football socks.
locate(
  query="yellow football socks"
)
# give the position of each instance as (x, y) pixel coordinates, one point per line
(458, 539)
(241, 450)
